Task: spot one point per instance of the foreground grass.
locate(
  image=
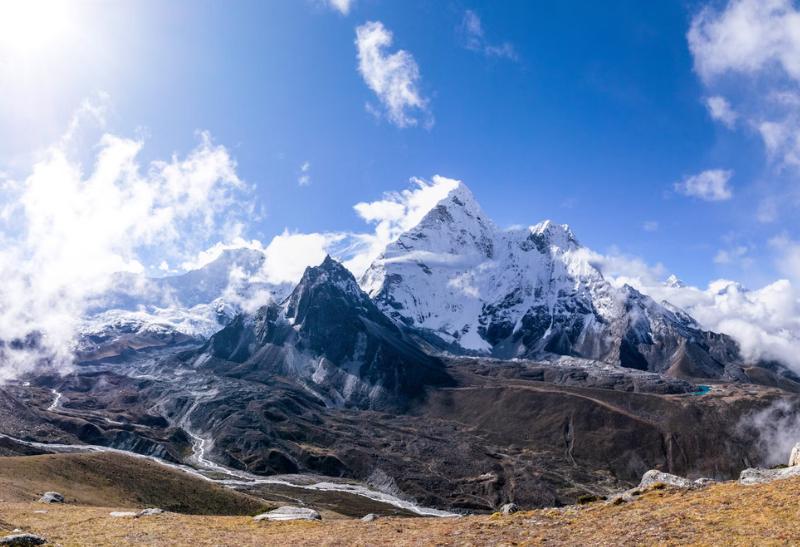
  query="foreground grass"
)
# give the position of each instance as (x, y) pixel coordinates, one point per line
(727, 514)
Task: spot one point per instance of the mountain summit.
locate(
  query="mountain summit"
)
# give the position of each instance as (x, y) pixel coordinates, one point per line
(532, 292)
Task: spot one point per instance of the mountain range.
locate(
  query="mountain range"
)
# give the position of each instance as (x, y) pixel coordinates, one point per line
(456, 283)
(469, 366)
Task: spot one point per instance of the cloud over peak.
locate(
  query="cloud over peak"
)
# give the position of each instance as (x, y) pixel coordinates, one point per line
(393, 77)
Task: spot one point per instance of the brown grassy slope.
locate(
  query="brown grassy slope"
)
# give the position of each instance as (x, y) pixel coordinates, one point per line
(115, 480)
(724, 514)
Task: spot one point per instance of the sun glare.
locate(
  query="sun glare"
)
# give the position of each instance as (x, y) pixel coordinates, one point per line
(28, 26)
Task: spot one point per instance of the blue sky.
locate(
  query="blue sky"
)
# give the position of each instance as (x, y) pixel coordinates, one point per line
(584, 112)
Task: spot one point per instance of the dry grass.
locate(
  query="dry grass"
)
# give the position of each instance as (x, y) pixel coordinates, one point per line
(726, 514)
(111, 480)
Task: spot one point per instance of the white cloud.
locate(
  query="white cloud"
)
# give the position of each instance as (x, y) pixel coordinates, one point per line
(305, 174)
(720, 109)
(394, 214)
(394, 78)
(711, 185)
(289, 254)
(66, 229)
(342, 6)
(747, 36)
(650, 226)
(475, 38)
(755, 45)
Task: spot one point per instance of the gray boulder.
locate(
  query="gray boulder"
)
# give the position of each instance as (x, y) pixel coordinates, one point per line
(289, 513)
(761, 476)
(509, 508)
(22, 540)
(794, 457)
(51, 497)
(123, 514)
(150, 511)
(654, 476)
(369, 517)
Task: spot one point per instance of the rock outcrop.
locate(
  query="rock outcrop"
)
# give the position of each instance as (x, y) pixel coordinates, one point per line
(654, 476)
(759, 476)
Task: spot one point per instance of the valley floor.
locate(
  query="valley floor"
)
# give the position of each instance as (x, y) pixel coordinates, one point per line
(727, 513)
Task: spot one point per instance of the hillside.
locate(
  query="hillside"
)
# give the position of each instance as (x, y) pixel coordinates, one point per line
(115, 480)
(726, 513)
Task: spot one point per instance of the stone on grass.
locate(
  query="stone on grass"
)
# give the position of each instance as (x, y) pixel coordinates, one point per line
(509, 508)
(123, 514)
(289, 513)
(51, 497)
(761, 476)
(369, 517)
(654, 476)
(794, 458)
(22, 540)
(150, 511)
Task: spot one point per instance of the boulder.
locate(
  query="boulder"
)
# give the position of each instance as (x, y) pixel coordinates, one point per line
(150, 511)
(123, 514)
(654, 476)
(761, 476)
(51, 497)
(369, 517)
(22, 540)
(794, 457)
(509, 508)
(289, 513)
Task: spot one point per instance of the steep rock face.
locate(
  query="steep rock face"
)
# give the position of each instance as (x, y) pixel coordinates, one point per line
(329, 336)
(530, 293)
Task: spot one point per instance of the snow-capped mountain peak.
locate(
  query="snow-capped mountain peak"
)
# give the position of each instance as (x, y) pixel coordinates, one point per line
(517, 293)
(559, 235)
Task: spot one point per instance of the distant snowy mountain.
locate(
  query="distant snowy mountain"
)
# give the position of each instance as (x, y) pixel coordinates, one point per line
(138, 312)
(530, 293)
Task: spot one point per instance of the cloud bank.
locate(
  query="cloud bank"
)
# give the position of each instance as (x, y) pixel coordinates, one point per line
(65, 230)
(765, 322)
